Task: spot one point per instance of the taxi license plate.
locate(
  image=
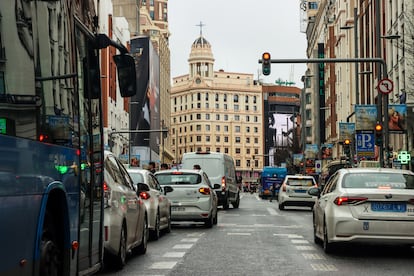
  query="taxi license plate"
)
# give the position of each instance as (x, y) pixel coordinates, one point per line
(179, 209)
(300, 191)
(388, 207)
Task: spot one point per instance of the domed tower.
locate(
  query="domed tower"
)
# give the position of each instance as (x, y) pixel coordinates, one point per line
(201, 59)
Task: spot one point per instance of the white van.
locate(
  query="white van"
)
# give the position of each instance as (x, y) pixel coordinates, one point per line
(220, 170)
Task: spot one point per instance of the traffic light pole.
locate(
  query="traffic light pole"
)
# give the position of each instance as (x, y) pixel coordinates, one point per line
(378, 60)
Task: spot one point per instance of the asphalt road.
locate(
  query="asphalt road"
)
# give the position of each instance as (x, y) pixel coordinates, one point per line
(259, 239)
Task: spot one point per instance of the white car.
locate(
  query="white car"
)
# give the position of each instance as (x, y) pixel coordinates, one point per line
(125, 214)
(155, 199)
(193, 197)
(368, 205)
(294, 191)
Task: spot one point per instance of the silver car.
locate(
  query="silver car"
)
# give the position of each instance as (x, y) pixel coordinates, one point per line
(193, 197)
(369, 205)
(155, 199)
(125, 214)
(294, 191)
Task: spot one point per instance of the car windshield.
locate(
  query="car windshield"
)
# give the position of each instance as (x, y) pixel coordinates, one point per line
(186, 178)
(377, 180)
(299, 182)
(137, 177)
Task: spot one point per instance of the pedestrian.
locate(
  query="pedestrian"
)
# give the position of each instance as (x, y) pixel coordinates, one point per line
(196, 167)
(152, 167)
(273, 189)
(164, 166)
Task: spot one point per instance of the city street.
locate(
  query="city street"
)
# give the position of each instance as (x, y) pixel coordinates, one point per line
(259, 239)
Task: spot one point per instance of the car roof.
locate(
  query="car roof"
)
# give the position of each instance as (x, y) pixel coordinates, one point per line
(375, 170)
(180, 170)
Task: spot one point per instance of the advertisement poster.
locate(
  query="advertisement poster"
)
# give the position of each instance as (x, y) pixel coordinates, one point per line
(326, 151)
(346, 131)
(366, 117)
(397, 114)
(311, 151)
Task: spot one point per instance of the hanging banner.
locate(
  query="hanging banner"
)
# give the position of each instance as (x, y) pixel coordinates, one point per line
(397, 114)
(366, 117)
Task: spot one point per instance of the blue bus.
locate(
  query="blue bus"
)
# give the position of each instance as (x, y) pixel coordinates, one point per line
(51, 136)
(270, 176)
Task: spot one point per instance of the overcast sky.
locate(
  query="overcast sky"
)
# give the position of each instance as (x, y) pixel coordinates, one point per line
(239, 31)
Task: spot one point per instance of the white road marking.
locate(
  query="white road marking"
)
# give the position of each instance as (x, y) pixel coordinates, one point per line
(324, 267)
(310, 256)
(174, 254)
(273, 212)
(195, 234)
(305, 247)
(299, 241)
(239, 234)
(163, 265)
(189, 240)
(183, 246)
(291, 236)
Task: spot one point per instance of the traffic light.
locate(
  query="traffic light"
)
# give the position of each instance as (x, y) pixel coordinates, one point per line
(378, 134)
(347, 147)
(266, 64)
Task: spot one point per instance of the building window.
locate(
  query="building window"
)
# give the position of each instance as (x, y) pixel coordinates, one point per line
(247, 129)
(207, 127)
(198, 105)
(247, 140)
(207, 106)
(237, 117)
(217, 149)
(256, 119)
(246, 107)
(226, 139)
(226, 117)
(246, 99)
(226, 128)
(198, 116)
(199, 96)
(217, 127)
(254, 99)
(238, 163)
(236, 107)
(256, 129)
(217, 97)
(237, 150)
(225, 98)
(237, 139)
(207, 138)
(217, 106)
(225, 106)
(217, 138)
(247, 118)
(206, 97)
(217, 117)
(256, 140)
(226, 150)
(237, 129)
(208, 149)
(207, 116)
(198, 138)
(236, 98)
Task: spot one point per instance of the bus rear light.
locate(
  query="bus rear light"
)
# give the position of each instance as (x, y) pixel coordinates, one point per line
(204, 191)
(106, 195)
(223, 183)
(75, 245)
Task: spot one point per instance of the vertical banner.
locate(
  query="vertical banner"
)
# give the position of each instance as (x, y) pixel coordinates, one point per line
(346, 131)
(321, 89)
(366, 117)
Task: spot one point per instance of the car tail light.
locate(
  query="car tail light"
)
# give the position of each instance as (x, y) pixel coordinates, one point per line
(107, 195)
(223, 183)
(204, 191)
(345, 200)
(144, 195)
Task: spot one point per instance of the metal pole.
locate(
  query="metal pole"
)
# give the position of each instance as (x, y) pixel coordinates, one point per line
(356, 55)
(379, 75)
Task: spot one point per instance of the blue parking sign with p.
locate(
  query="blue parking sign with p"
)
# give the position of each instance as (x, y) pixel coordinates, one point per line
(365, 145)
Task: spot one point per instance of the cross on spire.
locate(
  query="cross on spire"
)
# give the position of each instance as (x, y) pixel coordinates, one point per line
(201, 28)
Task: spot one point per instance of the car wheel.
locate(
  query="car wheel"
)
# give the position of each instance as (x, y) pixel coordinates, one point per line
(281, 206)
(209, 221)
(155, 234)
(120, 259)
(327, 246)
(215, 220)
(168, 229)
(50, 255)
(237, 202)
(142, 248)
(226, 203)
(316, 239)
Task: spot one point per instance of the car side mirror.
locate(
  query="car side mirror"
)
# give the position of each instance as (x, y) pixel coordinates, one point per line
(167, 189)
(216, 186)
(315, 191)
(142, 187)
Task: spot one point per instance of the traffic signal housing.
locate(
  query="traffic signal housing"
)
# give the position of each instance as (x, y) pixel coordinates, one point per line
(347, 147)
(378, 134)
(266, 64)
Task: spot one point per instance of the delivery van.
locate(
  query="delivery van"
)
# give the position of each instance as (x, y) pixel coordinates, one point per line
(220, 169)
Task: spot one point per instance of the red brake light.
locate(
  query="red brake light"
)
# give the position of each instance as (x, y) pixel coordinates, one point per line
(344, 200)
(223, 183)
(204, 191)
(144, 195)
(105, 187)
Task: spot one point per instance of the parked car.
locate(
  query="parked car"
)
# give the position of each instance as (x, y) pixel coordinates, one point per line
(369, 205)
(155, 199)
(125, 214)
(220, 169)
(294, 191)
(193, 197)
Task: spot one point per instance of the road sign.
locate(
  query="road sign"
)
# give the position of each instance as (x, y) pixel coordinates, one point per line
(365, 145)
(385, 86)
